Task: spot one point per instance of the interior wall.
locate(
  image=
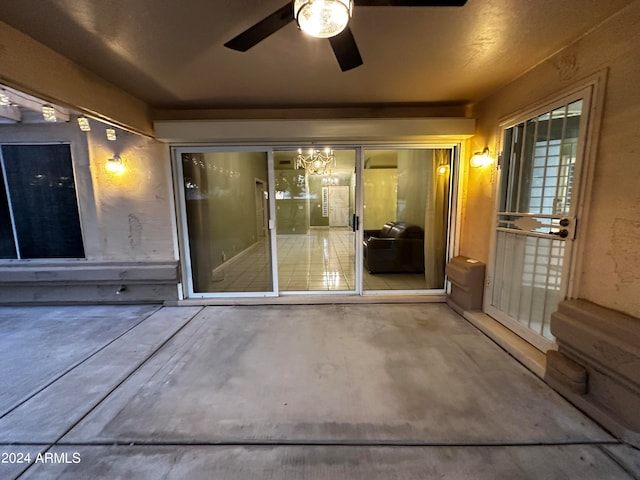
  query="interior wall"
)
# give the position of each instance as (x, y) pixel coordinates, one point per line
(610, 230)
(413, 177)
(315, 202)
(233, 206)
(380, 196)
(292, 202)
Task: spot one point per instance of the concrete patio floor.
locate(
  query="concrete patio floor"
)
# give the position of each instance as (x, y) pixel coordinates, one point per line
(408, 391)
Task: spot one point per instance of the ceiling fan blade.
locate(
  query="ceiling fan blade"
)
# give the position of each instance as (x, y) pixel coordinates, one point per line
(410, 3)
(261, 30)
(345, 49)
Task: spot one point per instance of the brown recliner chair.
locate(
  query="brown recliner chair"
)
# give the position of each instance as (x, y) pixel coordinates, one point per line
(396, 247)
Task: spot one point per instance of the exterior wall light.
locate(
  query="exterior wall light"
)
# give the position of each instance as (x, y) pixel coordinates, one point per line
(49, 113)
(481, 159)
(111, 134)
(115, 164)
(83, 124)
(5, 101)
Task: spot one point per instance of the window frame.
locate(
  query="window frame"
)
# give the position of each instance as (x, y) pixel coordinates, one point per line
(34, 134)
(12, 210)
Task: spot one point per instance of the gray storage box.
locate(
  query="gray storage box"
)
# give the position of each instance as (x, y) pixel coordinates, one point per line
(467, 283)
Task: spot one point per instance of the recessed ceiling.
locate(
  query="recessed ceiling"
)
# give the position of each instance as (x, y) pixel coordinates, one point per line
(170, 54)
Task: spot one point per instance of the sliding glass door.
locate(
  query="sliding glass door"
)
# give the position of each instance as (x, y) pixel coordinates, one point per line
(261, 222)
(314, 217)
(225, 221)
(406, 218)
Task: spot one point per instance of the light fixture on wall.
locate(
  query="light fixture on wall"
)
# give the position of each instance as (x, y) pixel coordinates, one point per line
(48, 113)
(111, 134)
(115, 164)
(316, 162)
(322, 18)
(83, 124)
(481, 159)
(5, 101)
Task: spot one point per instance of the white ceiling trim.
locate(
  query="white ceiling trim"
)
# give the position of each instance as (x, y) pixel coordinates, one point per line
(356, 129)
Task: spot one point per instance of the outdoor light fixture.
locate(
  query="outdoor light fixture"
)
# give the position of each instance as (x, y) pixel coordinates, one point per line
(316, 162)
(83, 123)
(5, 101)
(111, 134)
(48, 113)
(322, 18)
(115, 165)
(481, 159)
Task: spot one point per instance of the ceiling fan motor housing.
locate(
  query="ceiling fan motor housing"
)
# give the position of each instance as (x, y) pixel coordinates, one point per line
(322, 18)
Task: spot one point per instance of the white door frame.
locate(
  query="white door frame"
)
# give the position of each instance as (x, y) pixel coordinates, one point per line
(183, 241)
(591, 92)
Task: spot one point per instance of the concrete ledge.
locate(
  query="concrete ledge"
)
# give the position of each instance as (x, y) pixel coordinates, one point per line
(311, 299)
(606, 344)
(88, 282)
(522, 351)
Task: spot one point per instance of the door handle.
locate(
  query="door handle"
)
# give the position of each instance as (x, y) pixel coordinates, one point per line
(564, 233)
(355, 223)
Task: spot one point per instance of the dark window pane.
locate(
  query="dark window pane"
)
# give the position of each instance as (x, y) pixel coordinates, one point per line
(7, 245)
(43, 199)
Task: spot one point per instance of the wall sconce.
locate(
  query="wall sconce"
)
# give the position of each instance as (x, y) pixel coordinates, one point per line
(49, 113)
(443, 169)
(111, 134)
(5, 101)
(481, 159)
(115, 164)
(83, 124)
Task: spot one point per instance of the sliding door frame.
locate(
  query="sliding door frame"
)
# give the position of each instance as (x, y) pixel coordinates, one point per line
(183, 230)
(452, 242)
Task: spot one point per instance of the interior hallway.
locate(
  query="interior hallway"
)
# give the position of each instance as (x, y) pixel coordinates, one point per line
(251, 392)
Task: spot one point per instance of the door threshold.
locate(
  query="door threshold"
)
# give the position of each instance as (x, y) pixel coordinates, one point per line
(307, 300)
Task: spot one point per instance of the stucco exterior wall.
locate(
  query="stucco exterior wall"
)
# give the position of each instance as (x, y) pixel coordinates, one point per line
(127, 223)
(135, 218)
(610, 229)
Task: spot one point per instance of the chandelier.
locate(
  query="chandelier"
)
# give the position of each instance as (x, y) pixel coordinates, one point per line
(322, 18)
(316, 162)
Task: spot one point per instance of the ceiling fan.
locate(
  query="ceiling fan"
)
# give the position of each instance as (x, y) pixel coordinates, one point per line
(337, 29)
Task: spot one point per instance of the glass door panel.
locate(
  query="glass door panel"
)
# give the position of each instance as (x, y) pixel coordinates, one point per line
(225, 206)
(406, 218)
(314, 216)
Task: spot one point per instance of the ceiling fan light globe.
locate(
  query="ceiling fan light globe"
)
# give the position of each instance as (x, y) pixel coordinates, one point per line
(322, 18)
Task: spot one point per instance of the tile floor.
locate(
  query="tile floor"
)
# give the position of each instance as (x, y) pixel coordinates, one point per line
(321, 260)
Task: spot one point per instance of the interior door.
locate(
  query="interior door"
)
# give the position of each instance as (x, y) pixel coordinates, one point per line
(535, 226)
(339, 206)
